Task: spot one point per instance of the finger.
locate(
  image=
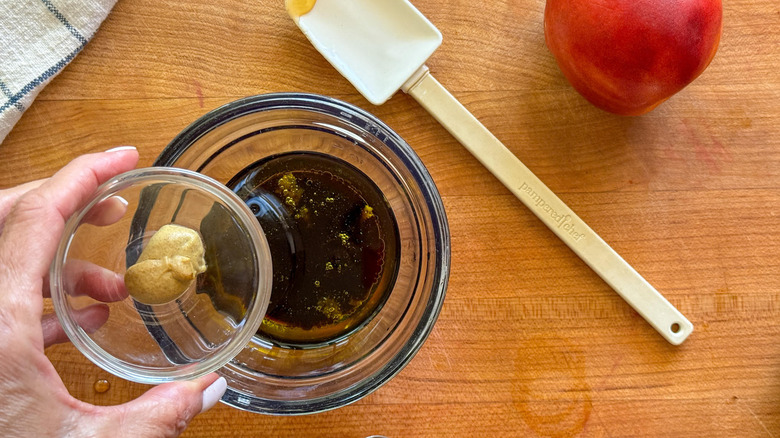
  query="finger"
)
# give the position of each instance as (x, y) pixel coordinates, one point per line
(107, 211)
(166, 410)
(8, 197)
(34, 227)
(89, 318)
(81, 277)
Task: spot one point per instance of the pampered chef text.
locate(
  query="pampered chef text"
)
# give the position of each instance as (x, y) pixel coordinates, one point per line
(564, 220)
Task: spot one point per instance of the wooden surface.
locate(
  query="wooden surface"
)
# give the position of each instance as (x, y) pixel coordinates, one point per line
(530, 342)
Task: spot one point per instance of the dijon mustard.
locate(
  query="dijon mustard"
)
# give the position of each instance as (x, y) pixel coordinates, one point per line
(167, 267)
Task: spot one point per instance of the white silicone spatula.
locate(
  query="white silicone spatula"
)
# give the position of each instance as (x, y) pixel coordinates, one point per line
(381, 46)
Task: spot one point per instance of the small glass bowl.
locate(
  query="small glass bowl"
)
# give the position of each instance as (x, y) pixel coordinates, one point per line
(105, 237)
(274, 378)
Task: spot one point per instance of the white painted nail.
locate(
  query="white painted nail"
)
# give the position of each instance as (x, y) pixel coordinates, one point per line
(213, 393)
(121, 199)
(121, 148)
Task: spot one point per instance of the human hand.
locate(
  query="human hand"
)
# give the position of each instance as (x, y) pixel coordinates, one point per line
(35, 401)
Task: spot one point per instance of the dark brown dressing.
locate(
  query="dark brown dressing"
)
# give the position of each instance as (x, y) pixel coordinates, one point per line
(333, 239)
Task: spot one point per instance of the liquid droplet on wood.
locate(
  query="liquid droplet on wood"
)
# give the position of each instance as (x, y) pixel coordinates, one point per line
(101, 386)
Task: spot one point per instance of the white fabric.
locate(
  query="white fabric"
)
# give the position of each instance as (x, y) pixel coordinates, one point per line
(38, 38)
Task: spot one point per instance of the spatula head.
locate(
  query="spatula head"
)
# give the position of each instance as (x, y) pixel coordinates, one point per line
(376, 44)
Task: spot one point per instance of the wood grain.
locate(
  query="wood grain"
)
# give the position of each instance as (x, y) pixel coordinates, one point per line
(530, 342)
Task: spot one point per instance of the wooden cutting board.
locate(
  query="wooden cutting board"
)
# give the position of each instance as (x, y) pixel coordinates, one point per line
(530, 342)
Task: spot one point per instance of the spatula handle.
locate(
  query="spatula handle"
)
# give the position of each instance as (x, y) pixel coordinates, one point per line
(661, 314)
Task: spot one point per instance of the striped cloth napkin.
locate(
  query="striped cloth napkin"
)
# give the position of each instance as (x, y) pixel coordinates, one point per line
(38, 38)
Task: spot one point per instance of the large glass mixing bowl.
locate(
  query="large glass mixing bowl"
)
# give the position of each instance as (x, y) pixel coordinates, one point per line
(276, 378)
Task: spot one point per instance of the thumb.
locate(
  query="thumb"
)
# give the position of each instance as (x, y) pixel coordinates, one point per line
(165, 411)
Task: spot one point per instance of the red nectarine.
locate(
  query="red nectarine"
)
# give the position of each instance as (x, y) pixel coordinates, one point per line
(628, 56)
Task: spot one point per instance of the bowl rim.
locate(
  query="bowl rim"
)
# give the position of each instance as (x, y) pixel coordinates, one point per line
(440, 261)
(150, 375)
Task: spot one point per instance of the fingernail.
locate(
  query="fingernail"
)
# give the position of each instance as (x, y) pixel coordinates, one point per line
(213, 393)
(122, 148)
(122, 200)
